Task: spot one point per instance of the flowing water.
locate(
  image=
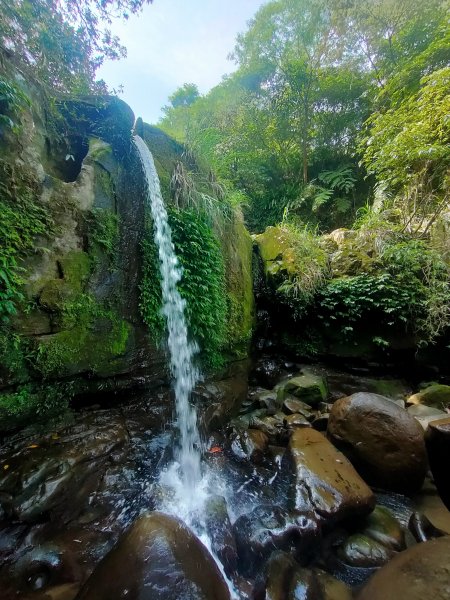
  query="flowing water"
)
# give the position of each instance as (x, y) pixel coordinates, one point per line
(181, 350)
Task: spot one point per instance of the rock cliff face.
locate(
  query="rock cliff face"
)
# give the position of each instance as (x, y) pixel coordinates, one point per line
(71, 168)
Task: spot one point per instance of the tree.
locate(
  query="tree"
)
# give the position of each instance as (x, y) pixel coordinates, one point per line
(63, 42)
(185, 95)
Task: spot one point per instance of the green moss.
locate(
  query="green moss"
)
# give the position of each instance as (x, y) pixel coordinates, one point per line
(76, 268)
(93, 338)
(237, 250)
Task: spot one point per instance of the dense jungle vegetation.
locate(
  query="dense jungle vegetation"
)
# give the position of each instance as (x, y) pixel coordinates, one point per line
(337, 115)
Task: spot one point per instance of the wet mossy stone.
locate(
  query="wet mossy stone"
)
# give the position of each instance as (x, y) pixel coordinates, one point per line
(437, 396)
(76, 268)
(310, 389)
(360, 550)
(55, 295)
(276, 252)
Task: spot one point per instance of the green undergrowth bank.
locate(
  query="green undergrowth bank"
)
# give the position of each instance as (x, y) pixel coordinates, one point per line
(367, 287)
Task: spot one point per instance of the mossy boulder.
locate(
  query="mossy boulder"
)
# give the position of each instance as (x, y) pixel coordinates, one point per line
(276, 252)
(437, 396)
(309, 388)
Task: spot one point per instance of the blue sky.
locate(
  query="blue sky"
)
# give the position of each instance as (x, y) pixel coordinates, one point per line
(174, 42)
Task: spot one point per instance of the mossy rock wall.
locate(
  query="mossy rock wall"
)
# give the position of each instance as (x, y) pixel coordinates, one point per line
(76, 318)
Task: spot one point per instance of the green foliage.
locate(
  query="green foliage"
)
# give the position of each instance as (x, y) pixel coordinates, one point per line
(23, 219)
(103, 227)
(12, 103)
(411, 292)
(34, 403)
(202, 284)
(63, 43)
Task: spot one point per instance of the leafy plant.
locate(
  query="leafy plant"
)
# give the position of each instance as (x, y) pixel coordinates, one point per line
(12, 102)
(202, 284)
(23, 219)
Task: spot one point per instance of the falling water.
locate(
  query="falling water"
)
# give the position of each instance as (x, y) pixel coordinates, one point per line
(181, 350)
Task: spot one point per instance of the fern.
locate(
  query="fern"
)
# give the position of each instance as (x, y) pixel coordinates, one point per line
(340, 179)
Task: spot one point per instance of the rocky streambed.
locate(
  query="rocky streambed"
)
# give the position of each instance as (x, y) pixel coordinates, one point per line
(319, 488)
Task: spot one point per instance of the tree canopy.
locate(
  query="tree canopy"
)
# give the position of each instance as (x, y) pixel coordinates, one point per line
(321, 107)
(64, 42)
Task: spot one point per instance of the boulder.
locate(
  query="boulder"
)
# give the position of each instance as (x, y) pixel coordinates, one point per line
(435, 395)
(360, 550)
(309, 388)
(158, 557)
(267, 528)
(381, 439)
(325, 481)
(251, 445)
(382, 526)
(426, 414)
(420, 572)
(437, 439)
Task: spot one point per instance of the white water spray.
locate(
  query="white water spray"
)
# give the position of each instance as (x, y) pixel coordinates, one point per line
(181, 351)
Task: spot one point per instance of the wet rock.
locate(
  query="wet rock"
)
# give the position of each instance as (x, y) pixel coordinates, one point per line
(158, 557)
(426, 414)
(309, 388)
(420, 572)
(422, 528)
(220, 532)
(304, 586)
(437, 396)
(267, 372)
(273, 426)
(325, 481)
(250, 445)
(292, 405)
(381, 439)
(58, 474)
(268, 528)
(296, 420)
(268, 400)
(360, 550)
(280, 568)
(332, 588)
(382, 526)
(437, 439)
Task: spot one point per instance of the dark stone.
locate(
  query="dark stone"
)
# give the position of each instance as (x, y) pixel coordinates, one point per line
(437, 440)
(381, 439)
(422, 528)
(158, 557)
(360, 550)
(269, 528)
(267, 372)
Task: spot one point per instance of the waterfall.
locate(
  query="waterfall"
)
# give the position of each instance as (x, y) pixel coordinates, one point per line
(181, 350)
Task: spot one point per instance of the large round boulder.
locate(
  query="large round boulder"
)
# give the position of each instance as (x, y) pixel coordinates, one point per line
(157, 558)
(381, 439)
(415, 574)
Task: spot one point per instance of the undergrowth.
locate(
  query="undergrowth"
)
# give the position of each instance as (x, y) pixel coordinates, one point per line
(202, 284)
